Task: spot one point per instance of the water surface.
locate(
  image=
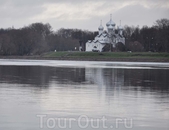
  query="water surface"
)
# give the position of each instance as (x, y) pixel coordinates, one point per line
(69, 89)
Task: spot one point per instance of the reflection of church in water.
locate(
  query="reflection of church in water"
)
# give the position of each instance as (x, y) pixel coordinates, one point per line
(105, 77)
(112, 36)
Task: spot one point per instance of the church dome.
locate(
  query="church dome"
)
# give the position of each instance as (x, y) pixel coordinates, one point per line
(101, 27)
(110, 27)
(110, 23)
(120, 27)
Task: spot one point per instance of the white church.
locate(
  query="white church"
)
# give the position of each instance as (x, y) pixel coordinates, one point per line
(110, 37)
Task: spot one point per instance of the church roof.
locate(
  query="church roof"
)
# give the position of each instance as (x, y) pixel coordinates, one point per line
(98, 41)
(105, 34)
(102, 42)
(95, 41)
(102, 34)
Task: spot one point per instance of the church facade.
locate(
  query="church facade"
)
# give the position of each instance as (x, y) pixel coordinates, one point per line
(112, 36)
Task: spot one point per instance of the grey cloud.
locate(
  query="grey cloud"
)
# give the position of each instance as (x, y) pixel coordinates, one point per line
(40, 2)
(139, 15)
(20, 12)
(8, 10)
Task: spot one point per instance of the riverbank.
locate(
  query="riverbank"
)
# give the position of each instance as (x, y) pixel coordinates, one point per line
(94, 56)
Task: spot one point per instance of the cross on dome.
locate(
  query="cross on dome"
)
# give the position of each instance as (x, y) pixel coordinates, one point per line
(110, 23)
(120, 27)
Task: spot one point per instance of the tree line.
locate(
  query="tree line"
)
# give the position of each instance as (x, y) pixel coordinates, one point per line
(38, 38)
(154, 39)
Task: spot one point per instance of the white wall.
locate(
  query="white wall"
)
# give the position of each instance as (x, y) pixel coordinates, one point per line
(89, 46)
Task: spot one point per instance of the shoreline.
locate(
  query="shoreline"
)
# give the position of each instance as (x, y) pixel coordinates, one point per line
(88, 59)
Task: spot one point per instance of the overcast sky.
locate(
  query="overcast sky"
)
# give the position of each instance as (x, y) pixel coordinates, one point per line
(81, 14)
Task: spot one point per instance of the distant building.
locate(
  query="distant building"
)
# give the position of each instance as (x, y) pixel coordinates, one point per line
(110, 37)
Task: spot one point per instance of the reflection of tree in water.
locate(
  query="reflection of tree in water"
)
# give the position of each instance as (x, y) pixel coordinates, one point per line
(69, 75)
(25, 75)
(153, 79)
(40, 76)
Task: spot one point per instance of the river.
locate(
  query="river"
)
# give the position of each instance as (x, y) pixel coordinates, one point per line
(49, 94)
